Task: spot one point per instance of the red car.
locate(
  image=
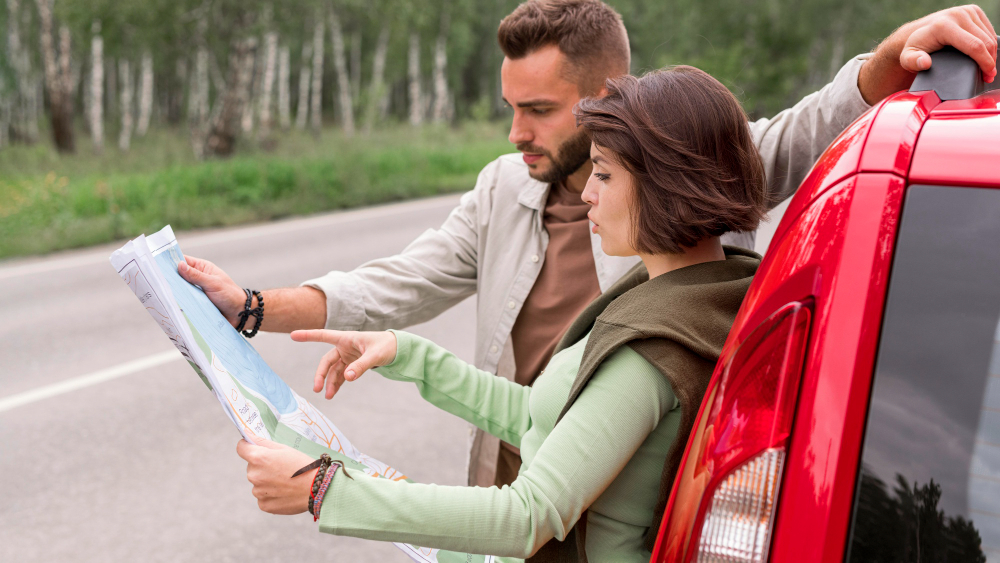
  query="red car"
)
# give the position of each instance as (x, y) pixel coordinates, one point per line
(855, 411)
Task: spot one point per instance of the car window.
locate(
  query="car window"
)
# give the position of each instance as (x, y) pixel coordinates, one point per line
(929, 486)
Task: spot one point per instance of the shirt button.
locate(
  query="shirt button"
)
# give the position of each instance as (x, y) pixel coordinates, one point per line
(493, 349)
(511, 305)
(534, 258)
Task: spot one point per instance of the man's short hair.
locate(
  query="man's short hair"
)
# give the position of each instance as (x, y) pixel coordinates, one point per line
(588, 32)
(686, 142)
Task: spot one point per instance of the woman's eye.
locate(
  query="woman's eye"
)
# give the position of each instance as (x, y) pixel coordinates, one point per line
(602, 177)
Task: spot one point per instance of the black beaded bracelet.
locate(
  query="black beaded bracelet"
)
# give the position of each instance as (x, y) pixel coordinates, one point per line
(247, 312)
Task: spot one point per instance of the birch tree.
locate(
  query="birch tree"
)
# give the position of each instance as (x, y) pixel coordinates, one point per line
(126, 104)
(145, 93)
(23, 120)
(316, 108)
(58, 78)
(356, 64)
(302, 109)
(96, 108)
(253, 93)
(284, 110)
(270, 60)
(377, 92)
(225, 124)
(413, 76)
(343, 80)
(198, 96)
(111, 85)
(440, 68)
(5, 112)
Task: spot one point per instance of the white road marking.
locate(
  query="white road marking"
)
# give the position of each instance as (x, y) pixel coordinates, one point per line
(80, 382)
(45, 265)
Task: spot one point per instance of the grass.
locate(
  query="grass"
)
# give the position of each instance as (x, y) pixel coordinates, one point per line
(51, 202)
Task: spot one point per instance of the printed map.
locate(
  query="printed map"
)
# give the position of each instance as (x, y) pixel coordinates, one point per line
(257, 400)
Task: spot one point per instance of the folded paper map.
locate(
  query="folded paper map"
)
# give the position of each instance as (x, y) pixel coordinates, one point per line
(257, 401)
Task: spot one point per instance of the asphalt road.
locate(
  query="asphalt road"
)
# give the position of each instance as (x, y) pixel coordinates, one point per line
(112, 450)
(142, 466)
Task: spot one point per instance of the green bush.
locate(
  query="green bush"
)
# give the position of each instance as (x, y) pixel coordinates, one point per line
(86, 199)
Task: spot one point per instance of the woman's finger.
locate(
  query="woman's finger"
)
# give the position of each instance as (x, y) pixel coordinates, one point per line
(335, 378)
(325, 363)
(317, 335)
(359, 366)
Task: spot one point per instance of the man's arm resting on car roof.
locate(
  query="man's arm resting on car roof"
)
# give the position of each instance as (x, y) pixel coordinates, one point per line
(896, 61)
(792, 141)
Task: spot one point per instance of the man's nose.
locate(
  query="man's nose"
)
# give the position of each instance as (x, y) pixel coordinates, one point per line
(519, 133)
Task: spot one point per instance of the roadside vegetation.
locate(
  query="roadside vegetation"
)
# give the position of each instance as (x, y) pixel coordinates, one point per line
(50, 201)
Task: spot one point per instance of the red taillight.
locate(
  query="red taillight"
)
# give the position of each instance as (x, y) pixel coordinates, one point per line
(726, 491)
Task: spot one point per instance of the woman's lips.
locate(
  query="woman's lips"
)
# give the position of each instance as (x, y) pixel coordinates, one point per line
(531, 158)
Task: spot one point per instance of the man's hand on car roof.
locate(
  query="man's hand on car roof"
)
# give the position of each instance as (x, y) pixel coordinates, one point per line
(896, 61)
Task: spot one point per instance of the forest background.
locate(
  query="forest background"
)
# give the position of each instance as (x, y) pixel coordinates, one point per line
(119, 116)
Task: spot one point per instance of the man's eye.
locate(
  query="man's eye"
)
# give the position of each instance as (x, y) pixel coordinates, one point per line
(602, 177)
(539, 111)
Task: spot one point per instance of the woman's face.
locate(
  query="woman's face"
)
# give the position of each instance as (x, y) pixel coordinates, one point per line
(609, 193)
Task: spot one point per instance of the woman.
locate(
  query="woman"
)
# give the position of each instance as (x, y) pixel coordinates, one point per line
(602, 430)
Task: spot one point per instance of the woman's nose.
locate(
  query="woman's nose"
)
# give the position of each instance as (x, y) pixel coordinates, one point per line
(589, 194)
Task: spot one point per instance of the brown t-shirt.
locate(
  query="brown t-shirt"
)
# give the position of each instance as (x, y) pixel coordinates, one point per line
(566, 284)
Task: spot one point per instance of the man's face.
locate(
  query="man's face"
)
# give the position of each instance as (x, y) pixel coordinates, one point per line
(544, 127)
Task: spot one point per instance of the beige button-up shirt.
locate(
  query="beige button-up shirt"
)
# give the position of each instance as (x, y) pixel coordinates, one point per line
(493, 244)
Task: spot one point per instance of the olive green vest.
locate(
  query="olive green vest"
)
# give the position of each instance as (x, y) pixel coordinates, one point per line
(678, 322)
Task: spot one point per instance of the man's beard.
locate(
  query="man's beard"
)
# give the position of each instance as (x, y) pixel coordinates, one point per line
(573, 153)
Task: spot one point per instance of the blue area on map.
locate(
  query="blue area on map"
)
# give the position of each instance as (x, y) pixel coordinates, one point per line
(236, 354)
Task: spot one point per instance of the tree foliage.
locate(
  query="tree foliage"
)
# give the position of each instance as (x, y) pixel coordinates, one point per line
(770, 52)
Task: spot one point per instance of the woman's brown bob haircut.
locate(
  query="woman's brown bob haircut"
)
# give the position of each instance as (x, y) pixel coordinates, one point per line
(686, 141)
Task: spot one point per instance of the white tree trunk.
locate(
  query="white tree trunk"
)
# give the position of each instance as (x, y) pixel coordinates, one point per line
(356, 64)
(125, 77)
(67, 73)
(377, 95)
(270, 60)
(58, 77)
(23, 100)
(5, 112)
(202, 84)
(253, 92)
(224, 130)
(343, 79)
(33, 89)
(440, 77)
(198, 97)
(96, 115)
(413, 74)
(145, 94)
(316, 108)
(302, 109)
(111, 86)
(284, 108)
(6, 104)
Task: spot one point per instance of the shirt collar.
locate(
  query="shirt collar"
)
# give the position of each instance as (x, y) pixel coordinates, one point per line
(534, 195)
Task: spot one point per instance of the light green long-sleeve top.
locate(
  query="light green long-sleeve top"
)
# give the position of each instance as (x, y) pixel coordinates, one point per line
(606, 455)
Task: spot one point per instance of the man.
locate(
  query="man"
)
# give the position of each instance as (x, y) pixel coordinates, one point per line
(520, 238)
